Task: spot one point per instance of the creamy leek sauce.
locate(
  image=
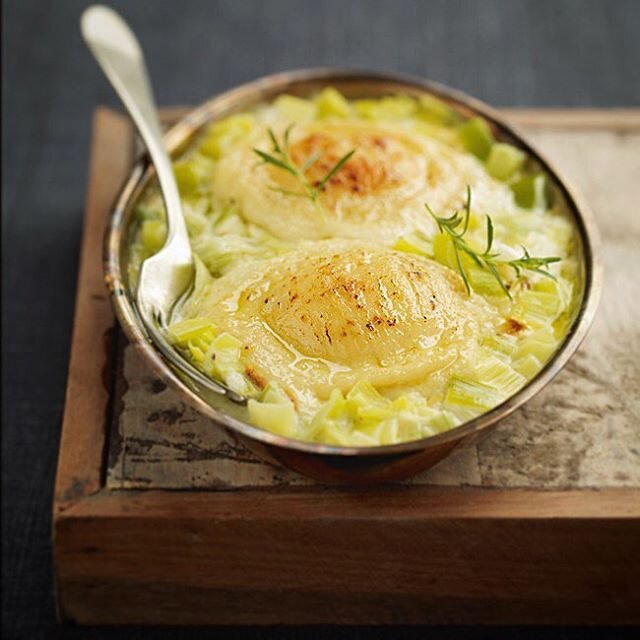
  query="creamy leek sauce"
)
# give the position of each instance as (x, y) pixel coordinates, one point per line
(344, 316)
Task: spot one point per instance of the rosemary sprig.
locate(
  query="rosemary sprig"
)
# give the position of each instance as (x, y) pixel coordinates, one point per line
(456, 226)
(280, 157)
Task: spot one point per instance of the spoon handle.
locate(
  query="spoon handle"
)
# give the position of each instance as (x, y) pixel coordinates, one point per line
(119, 55)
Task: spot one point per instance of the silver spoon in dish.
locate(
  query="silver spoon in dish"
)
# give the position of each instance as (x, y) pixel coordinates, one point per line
(167, 277)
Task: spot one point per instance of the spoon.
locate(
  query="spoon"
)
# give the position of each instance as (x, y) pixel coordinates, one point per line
(167, 277)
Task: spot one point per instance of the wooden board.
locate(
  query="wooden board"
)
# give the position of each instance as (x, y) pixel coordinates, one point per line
(159, 518)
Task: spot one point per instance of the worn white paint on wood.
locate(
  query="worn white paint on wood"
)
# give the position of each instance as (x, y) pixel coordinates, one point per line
(581, 431)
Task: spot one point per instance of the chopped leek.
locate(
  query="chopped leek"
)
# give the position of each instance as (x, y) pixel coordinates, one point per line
(153, 234)
(225, 354)
(274, 394)
(295, 109)
(476, 137)
(185, 331)
(542, 344)
(497, 374)
(435, 110)
(146, 213)
(504, 160)
(364, 393)
(538, 308)
(192, 173)
(224, 133)
(277, 417)
(332, 104)
(470, 397)
(389, 108)
(530, 192)
(362, 439)
(414, 243)
(527, 365)
(444, 251)
(483, 281)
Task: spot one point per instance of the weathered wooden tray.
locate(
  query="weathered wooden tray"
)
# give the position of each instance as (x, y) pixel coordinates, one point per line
(160, 518)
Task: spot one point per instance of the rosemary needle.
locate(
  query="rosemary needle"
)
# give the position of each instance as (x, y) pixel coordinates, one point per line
(280, 157)
(456, 226)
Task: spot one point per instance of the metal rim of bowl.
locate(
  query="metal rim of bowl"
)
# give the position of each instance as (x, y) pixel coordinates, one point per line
(264, 89)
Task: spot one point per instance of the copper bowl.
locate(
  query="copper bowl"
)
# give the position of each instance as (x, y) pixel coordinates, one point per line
(352, 465)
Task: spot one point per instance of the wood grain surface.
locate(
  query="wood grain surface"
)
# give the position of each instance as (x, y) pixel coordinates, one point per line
(406, 555)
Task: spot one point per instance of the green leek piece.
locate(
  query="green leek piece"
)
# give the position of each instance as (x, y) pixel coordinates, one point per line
(499, 375)
(332, 104)
(237, 382)
(443, 421)
(483, 281)
(153, 234)
(389, 434)
(434, 110)
(223, 356)
(336, 433)
(185, 331)
(143, 213)
(390, 108)
(362, 439)
(273, 394)
(194, 211)
(332, 407)
(560, 287)
(197, 354)
(414, 243)
(538, 308)
(295, 109)
(501, 346)
(276, 417)
(364, 394)
(542, 344)
(186, 176)
(476, 137)
(201, 283)
(444, 252)
(366, 108)
(470, 396)
(231, 224)
(528, 366)
(221, 253)
(530, 192)
(192, 173)
(504, 161)
(413, 427)
(365, 417)
(397, 107)
(224, 133)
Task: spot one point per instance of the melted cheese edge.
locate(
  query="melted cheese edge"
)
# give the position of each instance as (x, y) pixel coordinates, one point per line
(377, 196)
(332, 313)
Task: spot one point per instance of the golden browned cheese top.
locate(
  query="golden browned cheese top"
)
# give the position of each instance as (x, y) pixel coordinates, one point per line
(371, 169)
(378, 195)
(360, 306)
(331, 313)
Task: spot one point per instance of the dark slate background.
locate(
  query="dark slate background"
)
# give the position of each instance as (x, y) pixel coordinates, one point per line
(547, 53)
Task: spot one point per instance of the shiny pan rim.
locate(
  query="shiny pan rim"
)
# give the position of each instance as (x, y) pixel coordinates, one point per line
(265, 89)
